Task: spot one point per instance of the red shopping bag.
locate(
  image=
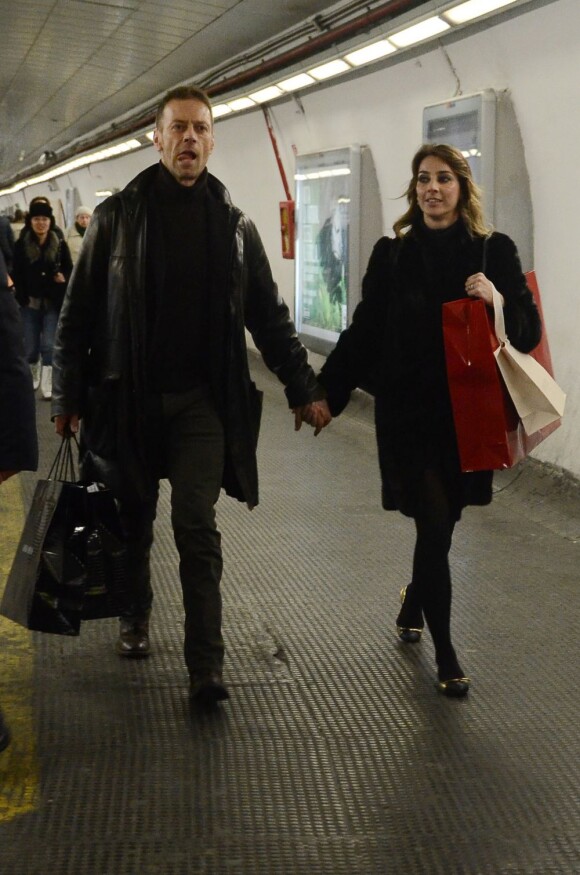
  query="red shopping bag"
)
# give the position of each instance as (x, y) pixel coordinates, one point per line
(490, 434)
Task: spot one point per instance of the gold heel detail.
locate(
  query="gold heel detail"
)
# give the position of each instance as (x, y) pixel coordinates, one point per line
(454, 687)
(408, 634)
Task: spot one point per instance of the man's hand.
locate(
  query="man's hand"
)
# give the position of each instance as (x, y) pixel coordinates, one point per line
(315, 414)
(66, 424)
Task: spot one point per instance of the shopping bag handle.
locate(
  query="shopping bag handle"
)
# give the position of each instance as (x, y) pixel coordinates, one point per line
(498, 317)
(63, 467)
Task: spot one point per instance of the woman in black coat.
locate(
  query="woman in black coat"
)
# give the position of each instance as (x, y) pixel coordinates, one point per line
(18, 441)
(395, 346)
(42, 267)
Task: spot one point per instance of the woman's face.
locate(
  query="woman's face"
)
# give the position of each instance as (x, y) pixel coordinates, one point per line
(438, 193)
(40, 225)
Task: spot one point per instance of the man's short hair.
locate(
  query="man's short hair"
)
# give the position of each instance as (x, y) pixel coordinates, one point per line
(183, 92)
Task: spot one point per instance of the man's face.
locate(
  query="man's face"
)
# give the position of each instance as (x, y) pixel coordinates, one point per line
(184, 139)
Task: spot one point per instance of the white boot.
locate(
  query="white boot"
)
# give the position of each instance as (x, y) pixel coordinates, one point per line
(35, 371)
(46, 382)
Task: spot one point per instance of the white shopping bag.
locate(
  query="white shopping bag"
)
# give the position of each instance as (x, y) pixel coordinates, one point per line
(537, 397)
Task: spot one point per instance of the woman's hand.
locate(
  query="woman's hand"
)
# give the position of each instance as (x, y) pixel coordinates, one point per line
(478, 286)
(59, 277)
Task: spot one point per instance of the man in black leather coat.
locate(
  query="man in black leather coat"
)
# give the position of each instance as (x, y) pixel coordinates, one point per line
(151, 353)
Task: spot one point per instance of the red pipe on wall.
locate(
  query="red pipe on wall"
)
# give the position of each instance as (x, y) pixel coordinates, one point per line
(370, 19)
(277, 153)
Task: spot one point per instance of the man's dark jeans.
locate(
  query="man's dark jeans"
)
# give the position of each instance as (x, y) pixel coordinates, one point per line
(190, 441)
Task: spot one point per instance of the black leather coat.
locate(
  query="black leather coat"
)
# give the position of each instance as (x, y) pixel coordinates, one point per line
(99, 367)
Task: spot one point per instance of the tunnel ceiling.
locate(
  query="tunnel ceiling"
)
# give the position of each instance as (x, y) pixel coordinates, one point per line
(73, 67)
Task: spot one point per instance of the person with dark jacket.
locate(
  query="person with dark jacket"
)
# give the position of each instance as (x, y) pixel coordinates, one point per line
(151, 353)
(42, 267)
(7, 242)
(18, 438)
(395, 344)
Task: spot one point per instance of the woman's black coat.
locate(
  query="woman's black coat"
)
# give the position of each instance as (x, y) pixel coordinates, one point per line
(35, 267)
(394, 346)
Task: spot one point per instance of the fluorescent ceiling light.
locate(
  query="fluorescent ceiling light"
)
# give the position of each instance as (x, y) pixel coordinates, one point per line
(83, 160)
(296, 82)
(371, 53)
(473, 9)
(13, 189)
(417, 32)
(241, 103)
(332, 68)
(323, 174)
(149, 135)
(221, 109)
(269, 93)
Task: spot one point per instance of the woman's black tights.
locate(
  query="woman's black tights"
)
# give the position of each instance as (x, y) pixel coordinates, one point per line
(430, 587)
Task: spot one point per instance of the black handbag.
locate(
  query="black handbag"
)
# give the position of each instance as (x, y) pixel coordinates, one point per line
(70, 562)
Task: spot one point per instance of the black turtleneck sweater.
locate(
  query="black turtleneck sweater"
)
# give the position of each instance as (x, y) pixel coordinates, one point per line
(178, 280)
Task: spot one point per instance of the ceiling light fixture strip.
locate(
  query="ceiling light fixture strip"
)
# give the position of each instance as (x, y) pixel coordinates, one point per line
(428, 28)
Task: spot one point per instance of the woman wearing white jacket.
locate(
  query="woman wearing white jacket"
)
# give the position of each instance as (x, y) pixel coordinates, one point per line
(75, 234)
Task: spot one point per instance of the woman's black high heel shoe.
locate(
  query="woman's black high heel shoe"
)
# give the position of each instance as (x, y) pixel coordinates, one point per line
(408, 634)
(455, 688)
(452, 681)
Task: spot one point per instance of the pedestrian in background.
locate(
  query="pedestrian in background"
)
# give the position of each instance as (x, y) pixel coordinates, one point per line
(17, 222)
(42, 267)
(76, 232)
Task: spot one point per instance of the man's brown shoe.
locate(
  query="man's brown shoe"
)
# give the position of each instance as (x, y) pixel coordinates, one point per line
(133, 638)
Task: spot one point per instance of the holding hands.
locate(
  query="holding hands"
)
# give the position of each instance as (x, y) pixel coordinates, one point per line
(315, 414)
(478, 286)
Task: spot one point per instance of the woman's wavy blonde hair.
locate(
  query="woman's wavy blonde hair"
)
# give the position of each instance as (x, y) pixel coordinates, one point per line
(470, 208)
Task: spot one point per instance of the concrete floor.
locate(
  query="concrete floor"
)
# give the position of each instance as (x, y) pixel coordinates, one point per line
(335, 754)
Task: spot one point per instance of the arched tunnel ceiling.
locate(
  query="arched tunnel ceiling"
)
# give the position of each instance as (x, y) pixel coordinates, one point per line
(70, 67)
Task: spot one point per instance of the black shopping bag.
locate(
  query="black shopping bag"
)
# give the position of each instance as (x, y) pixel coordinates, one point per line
(70, 562)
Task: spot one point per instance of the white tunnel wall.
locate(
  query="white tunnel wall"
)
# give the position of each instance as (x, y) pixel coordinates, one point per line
(533, 55)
